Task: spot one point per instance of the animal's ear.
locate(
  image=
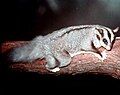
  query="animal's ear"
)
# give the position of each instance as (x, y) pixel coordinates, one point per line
(116, 30)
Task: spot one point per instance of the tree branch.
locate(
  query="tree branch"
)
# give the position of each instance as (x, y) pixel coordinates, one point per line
(80, 64)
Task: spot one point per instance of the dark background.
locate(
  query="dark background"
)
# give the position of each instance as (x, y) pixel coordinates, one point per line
(25, 19)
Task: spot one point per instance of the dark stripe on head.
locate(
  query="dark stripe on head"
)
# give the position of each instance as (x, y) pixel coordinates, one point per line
(109, 35)
(98, 37)
(100, 31)
(95, 49)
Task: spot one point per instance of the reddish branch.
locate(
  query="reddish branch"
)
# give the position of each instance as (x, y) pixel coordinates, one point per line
(80, 63)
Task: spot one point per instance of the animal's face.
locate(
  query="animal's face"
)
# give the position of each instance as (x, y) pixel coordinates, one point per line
(106, 37)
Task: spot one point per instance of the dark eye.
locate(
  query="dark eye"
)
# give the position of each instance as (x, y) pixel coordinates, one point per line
(105, 41)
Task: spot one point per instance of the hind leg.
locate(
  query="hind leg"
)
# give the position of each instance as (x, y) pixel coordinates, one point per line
(51, 62)
(63, 57)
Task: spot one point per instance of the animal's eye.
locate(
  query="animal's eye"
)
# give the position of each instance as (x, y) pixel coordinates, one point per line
(105, 41)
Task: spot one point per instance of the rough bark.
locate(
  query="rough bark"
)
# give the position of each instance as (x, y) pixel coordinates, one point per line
(83, 63)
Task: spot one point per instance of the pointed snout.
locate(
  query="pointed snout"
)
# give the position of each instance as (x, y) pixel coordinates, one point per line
(108, 48)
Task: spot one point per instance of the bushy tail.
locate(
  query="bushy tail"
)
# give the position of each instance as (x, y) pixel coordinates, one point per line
(29, 52)
(21, 53)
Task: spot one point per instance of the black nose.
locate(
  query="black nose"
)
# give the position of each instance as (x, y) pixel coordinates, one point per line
(105, 41)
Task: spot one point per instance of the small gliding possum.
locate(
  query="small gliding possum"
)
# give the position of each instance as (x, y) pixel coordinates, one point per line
(60, 46)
